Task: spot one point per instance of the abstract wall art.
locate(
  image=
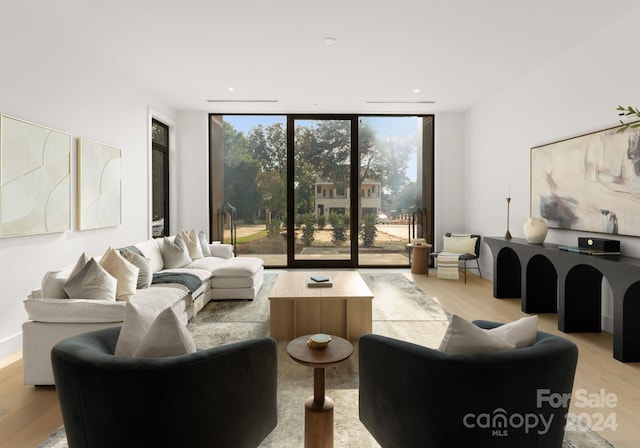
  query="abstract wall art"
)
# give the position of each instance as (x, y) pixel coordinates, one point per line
(589, 183)
(99, 185)
(35, 186)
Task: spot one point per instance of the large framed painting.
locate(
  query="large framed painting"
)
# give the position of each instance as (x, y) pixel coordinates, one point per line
(589, 183)
(35, 186)
(99, 199)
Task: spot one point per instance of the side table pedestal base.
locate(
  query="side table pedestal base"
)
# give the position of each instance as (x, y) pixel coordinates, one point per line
(318, 423)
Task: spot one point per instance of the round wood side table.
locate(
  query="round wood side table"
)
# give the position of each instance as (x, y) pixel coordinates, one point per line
(318, 415)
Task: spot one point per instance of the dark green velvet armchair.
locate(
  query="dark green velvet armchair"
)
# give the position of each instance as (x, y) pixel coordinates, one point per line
(413, 396)
(224, 396)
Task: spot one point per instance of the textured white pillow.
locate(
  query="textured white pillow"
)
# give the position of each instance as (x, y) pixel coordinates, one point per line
(166, 337)
(135, 326)
(519, 333)
(204, 244)
(124, 271)
(221, 250)
(174, 253)
(460, 245)
(52, 284)
(145, 274)
(465, 337)
(192, 242)
(144, 335)
(92, 281)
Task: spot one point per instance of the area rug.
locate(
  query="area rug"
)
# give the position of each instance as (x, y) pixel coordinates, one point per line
(400, 310)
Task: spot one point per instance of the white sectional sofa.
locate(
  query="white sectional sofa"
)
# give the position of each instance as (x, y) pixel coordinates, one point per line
(214, 273)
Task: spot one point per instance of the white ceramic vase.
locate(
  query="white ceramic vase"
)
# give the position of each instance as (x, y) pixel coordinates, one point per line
(535, 230)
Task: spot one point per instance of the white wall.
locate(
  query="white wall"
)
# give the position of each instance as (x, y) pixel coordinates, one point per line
(192, 154)
(85, 100)
(449, 177)
(570, 95)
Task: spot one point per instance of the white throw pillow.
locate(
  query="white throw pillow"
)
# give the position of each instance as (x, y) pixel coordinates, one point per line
(92, 281)
(204, 244)
(144, 335)
(145, 274)
(467, 338)
(174, 253)
(166, 337)
(460, 245)
(192, 242)
(221, 250)
(135, 326)
(519, 333)
(125, 272)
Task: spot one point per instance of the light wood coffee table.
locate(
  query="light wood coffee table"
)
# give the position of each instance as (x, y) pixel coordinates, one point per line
(343, 310)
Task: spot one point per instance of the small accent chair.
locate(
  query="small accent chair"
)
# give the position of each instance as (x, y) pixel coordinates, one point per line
(222, 396)
(414, 396)
(463, 257)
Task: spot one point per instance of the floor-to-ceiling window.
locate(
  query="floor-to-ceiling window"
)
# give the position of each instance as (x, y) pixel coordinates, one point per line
(319, 190)
(160, 178)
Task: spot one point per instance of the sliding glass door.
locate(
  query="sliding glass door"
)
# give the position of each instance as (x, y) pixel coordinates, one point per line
(322, 209)
(322, 190)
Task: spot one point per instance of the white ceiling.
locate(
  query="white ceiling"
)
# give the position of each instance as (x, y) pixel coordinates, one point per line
(457, 52)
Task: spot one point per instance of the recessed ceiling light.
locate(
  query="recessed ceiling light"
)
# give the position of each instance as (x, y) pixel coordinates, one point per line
(329, 40)
(230, 89)
(416, 90)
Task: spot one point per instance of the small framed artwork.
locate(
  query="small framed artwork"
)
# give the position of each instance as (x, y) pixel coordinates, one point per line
(35, 187)
(589, 183)
(99, 191)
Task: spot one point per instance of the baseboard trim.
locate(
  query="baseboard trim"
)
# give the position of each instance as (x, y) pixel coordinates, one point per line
(10, 346)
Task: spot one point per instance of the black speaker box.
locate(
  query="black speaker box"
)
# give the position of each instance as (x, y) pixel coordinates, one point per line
(599, 244)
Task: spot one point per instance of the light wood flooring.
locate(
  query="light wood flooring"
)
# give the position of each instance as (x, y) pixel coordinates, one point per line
(29, 414)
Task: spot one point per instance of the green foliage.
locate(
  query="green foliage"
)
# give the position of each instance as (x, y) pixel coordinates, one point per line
(239, 166)
(255, 164)
(628, 111)
(274, 228)
(368, 232)
(322, 221)
(308, 229)
(338, 223)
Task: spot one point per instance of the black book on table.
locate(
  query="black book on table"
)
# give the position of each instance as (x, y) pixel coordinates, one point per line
(319, 281)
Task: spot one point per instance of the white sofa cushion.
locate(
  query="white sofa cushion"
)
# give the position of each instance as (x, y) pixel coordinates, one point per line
(92, 281)
(238, 267)
(233, 282)
(154, 299)
(125, 272)
(74, 310)
(53, 281)
(158, 297)
(206, 263)
(151, 250)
